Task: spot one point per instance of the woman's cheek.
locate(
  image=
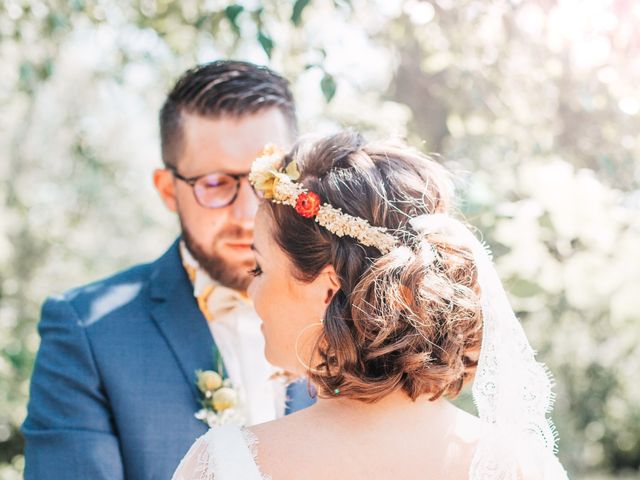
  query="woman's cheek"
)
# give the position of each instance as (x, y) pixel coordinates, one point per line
(255, 293)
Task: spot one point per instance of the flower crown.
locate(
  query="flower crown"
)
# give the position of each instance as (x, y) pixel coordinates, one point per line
(279, 185)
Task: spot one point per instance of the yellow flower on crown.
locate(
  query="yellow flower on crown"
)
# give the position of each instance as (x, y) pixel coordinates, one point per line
(267, 174)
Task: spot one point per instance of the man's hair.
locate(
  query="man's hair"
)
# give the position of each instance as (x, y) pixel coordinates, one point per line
(221, 88)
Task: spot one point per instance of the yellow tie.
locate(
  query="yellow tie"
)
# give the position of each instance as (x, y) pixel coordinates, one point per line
(202, 302)
(228, 298)
(204, 296)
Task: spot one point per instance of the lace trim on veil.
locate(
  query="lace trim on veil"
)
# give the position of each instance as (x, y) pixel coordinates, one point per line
(511, 390)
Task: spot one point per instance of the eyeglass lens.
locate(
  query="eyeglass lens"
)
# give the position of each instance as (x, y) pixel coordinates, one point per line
(216, 190)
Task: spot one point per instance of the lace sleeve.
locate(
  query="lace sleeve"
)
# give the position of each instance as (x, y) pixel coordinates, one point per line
(223, 453)
(195, 464)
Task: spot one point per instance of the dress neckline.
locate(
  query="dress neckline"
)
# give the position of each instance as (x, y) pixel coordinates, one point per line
(252, 442)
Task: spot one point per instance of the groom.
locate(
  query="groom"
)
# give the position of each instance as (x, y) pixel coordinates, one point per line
(113, 393)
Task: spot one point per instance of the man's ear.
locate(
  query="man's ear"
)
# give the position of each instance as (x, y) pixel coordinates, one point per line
(163, 181)
(331, 283)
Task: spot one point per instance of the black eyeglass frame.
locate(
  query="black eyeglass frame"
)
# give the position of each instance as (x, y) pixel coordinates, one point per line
(191, 181)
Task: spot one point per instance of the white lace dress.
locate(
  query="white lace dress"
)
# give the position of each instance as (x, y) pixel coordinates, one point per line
(228, 452)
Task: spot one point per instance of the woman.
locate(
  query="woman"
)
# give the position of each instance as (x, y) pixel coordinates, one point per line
(368, 285)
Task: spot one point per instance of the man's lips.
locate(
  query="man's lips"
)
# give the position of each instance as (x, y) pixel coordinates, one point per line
(239, 244)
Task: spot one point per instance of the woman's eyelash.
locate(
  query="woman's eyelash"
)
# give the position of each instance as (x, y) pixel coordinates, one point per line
(254, 272)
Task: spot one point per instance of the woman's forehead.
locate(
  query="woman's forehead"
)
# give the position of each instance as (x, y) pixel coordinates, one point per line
(263, 233)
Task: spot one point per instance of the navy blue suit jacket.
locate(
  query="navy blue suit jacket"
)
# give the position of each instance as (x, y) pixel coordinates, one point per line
(113, 391)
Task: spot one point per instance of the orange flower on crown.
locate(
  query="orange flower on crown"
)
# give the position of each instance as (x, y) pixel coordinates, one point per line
(308, 204)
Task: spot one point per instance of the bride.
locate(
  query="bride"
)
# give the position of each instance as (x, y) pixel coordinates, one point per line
(368, 285)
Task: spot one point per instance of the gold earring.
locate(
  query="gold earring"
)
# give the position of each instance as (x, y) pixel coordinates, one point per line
(295, 346)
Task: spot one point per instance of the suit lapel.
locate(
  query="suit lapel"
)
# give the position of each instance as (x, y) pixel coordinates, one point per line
(175, 312)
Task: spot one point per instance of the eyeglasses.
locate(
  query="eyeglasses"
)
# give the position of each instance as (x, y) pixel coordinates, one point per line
(213, 190)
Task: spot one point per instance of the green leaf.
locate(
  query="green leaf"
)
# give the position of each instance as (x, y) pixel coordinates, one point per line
(56, 21)
(202, 19)
(219, 363)
(232, 12)
(524, 288)
(292, 171)
(298, 7)
(27, 76)
(77, 5)
(343, 4)
(328, 86)
(266, 42)
(46, 69)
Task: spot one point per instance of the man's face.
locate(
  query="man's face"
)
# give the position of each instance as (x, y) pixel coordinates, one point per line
(220, 238)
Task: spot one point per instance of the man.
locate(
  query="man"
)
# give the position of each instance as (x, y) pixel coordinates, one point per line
(114, 393)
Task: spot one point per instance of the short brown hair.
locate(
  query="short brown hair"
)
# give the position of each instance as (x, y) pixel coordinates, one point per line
(398, 321)
(223, 87)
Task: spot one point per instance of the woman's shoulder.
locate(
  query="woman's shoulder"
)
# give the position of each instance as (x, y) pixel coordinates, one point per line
(303, 441)
(376, 449)
(281, 441)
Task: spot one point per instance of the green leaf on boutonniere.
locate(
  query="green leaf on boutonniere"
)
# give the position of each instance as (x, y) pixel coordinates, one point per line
(219, 363)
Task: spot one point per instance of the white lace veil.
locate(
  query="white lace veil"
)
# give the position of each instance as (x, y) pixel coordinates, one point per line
(511, 390)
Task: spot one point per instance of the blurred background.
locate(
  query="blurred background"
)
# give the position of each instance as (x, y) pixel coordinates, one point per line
(535, 103)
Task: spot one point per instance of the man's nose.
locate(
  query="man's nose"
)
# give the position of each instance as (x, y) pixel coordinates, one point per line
(246, 205)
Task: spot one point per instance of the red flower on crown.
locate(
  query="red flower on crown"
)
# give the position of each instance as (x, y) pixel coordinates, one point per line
(308, 204)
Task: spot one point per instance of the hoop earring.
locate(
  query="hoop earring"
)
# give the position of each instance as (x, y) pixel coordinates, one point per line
(295, 345)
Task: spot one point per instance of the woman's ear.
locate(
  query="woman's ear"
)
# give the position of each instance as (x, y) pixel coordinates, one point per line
(331, 283)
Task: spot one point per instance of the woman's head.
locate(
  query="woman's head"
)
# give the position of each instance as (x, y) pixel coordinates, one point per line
(409, 319)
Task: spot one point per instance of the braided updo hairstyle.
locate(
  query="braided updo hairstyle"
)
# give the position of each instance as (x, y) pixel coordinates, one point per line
(410, 319)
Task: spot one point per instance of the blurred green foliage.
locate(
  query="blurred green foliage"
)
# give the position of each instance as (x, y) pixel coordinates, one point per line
(534, 103)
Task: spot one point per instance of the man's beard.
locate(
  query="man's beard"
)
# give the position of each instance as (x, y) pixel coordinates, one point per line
(235, 277)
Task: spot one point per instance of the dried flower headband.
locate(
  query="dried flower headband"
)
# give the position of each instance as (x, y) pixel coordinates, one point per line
(279, 185)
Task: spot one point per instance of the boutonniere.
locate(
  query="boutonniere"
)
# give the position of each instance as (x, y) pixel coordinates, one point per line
(219, 399)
